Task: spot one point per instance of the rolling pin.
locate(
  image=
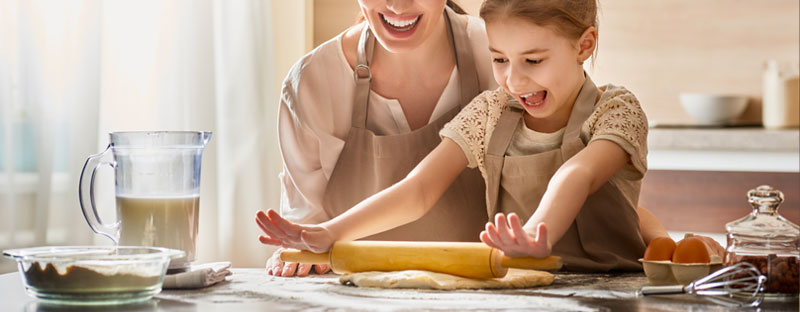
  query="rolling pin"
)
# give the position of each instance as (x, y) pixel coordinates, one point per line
(473, 260)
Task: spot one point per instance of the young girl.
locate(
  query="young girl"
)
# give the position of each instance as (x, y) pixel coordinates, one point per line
(558, 154)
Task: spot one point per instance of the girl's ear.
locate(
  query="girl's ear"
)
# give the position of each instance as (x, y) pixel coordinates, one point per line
(587, 43)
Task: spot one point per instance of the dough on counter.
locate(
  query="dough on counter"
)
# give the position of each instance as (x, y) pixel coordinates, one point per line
(429, 280)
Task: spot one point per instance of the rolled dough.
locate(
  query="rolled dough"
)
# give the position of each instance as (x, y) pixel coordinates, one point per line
(429, 280)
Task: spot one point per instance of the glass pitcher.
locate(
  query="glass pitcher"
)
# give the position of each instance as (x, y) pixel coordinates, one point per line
(157, 189)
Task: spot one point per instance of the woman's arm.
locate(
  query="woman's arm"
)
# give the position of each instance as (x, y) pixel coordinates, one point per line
(581, 175)
(403, 202)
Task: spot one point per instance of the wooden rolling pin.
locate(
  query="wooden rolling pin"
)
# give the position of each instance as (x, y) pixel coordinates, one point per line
(474, 260)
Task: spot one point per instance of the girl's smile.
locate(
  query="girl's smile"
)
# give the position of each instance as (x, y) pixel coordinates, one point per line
(533, 100)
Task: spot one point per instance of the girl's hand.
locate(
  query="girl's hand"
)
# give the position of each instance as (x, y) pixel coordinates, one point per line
(508, 236)
(275, 266)
(280, 232)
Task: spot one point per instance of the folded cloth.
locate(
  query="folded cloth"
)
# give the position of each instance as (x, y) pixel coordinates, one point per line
(198, 276)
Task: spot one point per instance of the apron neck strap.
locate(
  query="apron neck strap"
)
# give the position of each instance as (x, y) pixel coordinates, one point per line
(465, 60)
(504, 130)
(363, 76)
(571, 143)
(582, 109)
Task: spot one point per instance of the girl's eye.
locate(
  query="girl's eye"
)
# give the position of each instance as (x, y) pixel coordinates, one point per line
(499, 60)
(534, 62)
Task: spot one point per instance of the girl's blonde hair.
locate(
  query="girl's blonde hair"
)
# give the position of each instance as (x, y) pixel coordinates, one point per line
(569, 18)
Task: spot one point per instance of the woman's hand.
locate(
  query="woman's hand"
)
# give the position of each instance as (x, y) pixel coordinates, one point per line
(508, 236)
(280, 232)
(279, 268)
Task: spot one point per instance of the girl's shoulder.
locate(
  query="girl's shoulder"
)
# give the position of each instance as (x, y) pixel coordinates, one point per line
(614, 95)
(492, 100)
(618, 108)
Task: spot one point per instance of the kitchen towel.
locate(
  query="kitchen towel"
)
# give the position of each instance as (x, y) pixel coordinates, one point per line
(198, 276)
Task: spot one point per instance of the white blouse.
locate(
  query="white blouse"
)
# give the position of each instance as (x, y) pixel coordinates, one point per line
(315, 112)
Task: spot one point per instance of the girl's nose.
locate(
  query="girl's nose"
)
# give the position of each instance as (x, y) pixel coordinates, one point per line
(515, 78)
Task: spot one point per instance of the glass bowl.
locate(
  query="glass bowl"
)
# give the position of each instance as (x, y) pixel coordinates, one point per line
(93, 275)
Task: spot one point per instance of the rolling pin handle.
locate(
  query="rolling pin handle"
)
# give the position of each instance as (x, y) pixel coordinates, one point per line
(530, 263)
(303, 256)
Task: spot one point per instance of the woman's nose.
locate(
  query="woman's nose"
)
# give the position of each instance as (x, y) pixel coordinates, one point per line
(398, 6)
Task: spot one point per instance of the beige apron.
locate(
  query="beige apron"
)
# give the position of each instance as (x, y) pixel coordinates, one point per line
(605, 234)
(370, 163)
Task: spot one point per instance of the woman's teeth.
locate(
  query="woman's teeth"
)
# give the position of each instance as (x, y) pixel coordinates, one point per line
(400, 25)
(534, 98)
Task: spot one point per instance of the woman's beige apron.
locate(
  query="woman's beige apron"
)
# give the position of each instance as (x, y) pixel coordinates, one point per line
(605, 235)
(370, 163)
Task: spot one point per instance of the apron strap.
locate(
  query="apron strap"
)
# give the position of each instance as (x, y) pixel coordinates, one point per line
(363, 76)
(465, 61)
(495, 152)
(571, 143)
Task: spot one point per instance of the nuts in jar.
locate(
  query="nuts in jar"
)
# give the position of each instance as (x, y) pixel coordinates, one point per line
(782, 272)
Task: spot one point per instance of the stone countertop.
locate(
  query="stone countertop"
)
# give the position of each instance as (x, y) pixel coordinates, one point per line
(253, 289)
(754, 139)
(752, 149)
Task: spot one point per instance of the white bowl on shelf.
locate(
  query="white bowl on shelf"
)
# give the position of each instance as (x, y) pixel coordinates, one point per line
(713, 109)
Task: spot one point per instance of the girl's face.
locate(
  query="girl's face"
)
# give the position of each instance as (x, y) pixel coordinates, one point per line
(538, 66)
(402, 25)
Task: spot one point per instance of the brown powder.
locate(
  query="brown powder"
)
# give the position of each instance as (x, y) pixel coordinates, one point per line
(78, 279)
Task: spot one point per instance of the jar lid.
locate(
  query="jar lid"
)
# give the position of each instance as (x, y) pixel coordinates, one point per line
(764, 221)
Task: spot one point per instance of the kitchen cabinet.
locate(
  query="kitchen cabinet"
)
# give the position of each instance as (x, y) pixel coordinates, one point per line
(698, 178)
(254, 290)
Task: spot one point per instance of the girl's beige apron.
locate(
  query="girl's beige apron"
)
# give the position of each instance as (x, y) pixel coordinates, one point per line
(370, 163)
(605, 234)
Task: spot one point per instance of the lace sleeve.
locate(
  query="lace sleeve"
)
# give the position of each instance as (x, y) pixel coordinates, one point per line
(620, 119)
(473, 126)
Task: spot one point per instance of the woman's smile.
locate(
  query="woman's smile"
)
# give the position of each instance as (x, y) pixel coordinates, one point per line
(400, 26)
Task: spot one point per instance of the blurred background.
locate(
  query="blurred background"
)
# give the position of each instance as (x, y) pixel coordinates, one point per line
(72, 71)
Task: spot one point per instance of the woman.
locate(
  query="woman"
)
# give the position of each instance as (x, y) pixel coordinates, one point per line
(361, 110)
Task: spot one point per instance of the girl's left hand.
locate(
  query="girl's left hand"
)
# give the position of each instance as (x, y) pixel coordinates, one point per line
(508, 236)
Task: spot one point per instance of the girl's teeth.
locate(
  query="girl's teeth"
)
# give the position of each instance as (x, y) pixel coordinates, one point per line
(400, 23)
(534, 98)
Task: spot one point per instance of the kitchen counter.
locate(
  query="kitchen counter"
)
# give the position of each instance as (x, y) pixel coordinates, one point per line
(752, 149)
(253, 289)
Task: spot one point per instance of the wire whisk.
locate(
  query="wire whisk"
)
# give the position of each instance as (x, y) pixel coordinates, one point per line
(740, 285)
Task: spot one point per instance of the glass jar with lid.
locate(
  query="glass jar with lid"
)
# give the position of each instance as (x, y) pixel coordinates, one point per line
(768, 241)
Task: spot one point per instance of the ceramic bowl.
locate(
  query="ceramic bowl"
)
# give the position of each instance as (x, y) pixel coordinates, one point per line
(93, 275)
(713, 109)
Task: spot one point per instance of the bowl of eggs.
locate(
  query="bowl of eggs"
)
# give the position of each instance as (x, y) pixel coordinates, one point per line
(668, 263)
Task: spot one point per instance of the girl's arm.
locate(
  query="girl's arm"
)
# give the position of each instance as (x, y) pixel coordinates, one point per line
(649, 225)
(403, 202)
(581, 175)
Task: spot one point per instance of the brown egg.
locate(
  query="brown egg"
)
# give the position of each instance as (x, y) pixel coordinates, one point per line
(660, 248)
(691, 250)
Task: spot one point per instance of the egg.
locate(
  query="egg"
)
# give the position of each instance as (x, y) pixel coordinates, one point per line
(660, 249)
(691, 250)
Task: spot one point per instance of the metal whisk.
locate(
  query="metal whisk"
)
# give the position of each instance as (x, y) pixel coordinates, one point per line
(739, 285)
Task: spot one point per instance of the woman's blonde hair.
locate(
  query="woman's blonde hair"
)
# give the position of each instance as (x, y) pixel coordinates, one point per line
(570, 18)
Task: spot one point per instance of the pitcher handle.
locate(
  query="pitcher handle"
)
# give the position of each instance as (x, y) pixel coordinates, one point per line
(86, 191)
